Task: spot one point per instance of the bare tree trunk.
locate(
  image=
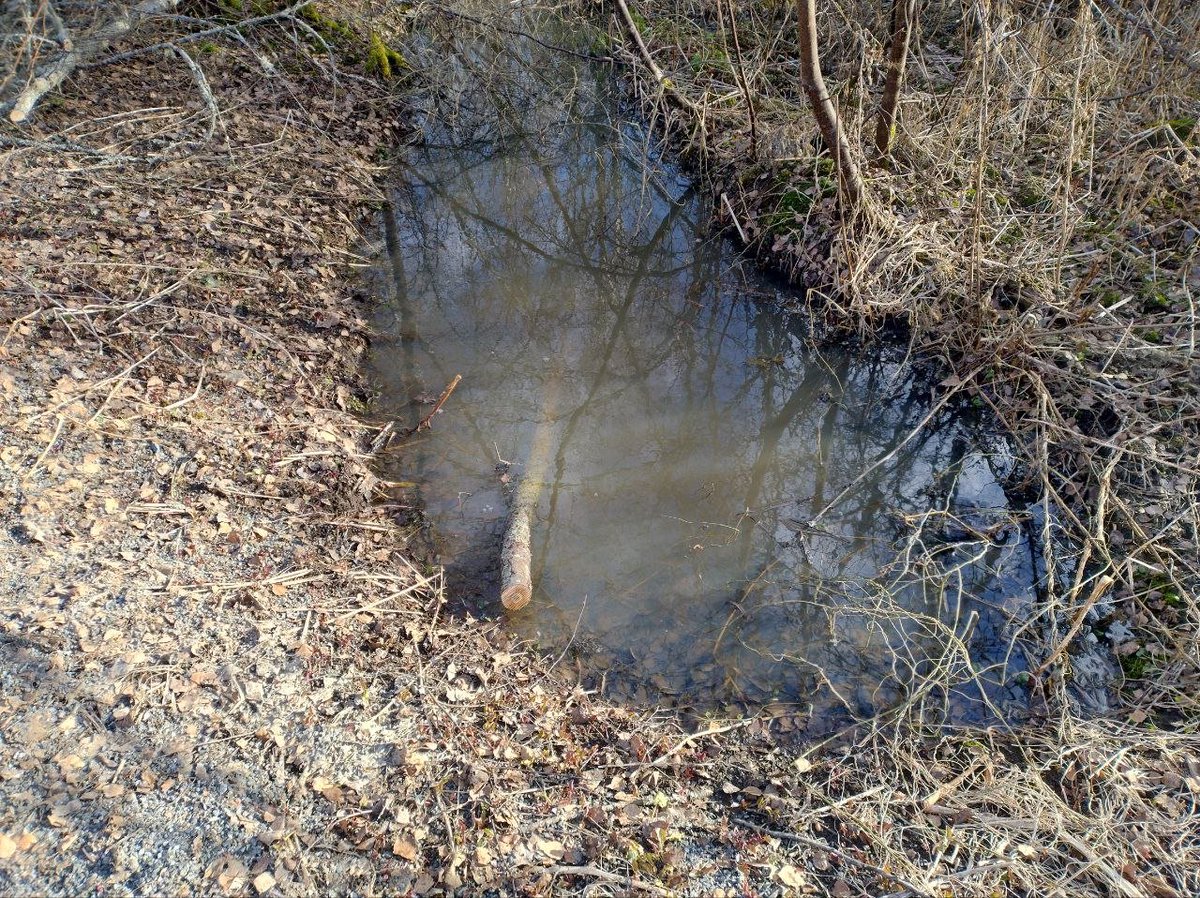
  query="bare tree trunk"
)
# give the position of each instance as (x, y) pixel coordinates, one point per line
(903, 12)
(849, 180)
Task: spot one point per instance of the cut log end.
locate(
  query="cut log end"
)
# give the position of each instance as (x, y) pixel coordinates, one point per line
(516, 596)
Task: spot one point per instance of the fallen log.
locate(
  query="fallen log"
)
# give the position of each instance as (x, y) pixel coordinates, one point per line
(516, 556)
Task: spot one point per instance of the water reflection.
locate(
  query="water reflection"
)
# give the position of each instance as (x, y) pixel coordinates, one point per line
(695, 433)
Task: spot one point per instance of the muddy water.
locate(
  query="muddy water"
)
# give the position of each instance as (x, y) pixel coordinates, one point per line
(729, 514)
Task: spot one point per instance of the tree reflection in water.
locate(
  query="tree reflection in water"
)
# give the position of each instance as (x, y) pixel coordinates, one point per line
(695, 429)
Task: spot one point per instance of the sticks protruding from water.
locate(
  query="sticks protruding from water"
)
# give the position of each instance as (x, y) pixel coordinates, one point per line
(438, 406)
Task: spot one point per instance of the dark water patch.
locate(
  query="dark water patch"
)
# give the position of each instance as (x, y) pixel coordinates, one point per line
(729, 513)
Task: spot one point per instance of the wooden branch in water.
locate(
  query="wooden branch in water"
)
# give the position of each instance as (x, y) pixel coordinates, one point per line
(438, 406)
(516, 556)
(516, 577)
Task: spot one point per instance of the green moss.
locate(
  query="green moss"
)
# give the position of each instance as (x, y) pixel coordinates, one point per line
(1156, 300)
(1012, 235)
(1169, 132)
(1182, 126)
(1136, 664)
(795, 201)
(382, 60)
(328, 27)
(709, 60)
(1032, 194)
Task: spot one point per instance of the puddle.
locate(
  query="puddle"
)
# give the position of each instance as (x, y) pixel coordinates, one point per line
(685, 432)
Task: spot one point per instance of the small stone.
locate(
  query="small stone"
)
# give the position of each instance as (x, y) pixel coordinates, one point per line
(264, 882)
(7, 847)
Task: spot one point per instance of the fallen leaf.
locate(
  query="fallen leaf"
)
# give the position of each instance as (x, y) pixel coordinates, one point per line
(404, 847)
(231, 873)
(551, 848)
(791, 877)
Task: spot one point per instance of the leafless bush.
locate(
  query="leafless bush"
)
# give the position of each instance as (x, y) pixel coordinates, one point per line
(1043, 173)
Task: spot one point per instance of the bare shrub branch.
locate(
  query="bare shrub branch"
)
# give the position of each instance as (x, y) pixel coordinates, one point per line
(81, 50)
